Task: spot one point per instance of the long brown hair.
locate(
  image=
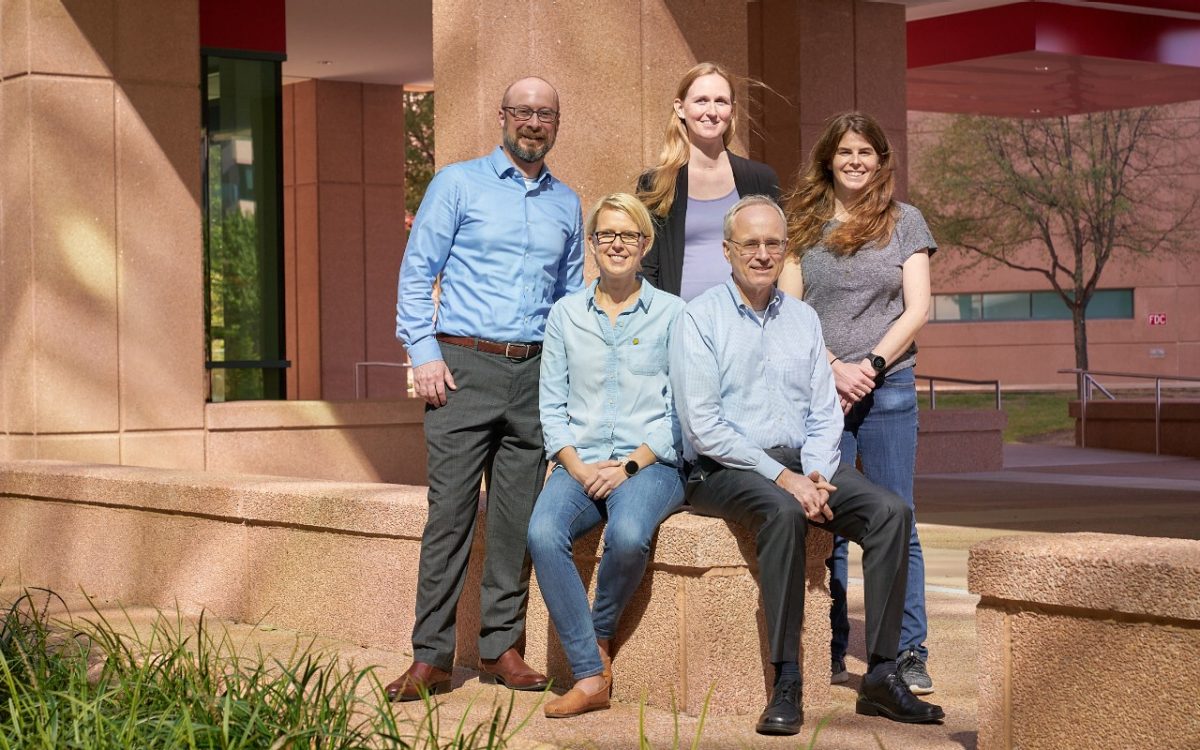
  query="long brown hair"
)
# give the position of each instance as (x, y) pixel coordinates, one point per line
(811, 204)
(660, 193)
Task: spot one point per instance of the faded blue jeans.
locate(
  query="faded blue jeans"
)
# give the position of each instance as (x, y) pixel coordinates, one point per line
(882, 428)
(562, 514)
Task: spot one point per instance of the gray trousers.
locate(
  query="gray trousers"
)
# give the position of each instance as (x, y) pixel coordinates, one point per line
(863, 512)
(492, 419)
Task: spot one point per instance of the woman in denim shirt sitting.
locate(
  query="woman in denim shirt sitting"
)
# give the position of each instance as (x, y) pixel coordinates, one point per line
(610, 426)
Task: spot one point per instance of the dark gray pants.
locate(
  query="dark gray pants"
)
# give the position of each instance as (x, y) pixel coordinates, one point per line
(873, 517)
(492, 417)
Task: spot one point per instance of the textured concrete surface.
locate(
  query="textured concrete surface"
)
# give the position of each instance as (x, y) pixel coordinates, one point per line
(304, 553)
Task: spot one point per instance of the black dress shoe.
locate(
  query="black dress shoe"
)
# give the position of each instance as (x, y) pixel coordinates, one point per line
(890, 697)
(782, 715)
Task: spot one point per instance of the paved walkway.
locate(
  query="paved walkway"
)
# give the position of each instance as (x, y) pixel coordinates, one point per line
(1042, 489)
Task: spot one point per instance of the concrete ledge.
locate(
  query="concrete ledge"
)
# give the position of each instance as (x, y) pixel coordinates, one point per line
(1128, 425)
(951, 441)
(1087, 640)
(341, 440)
(341, 559)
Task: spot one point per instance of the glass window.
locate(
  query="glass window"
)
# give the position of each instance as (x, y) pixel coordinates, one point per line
(1049, 306)
(1006, 306)
(1110, 303)
(950, 307)
(243, 228)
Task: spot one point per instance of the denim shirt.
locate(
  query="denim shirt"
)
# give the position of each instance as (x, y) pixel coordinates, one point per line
(744, 383)
(505, 252)
(606, 389)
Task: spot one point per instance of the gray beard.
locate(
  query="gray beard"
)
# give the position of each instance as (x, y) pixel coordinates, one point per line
(527, 155)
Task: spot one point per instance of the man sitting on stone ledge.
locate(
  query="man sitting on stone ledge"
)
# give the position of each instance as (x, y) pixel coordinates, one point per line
(761, 427)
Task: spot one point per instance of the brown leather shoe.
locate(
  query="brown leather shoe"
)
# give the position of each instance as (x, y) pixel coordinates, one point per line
(417, 678)
(511, 671)
(576, 702)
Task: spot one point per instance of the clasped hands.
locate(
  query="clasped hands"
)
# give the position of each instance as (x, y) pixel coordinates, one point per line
(599, 479)
(812, 492)
(853, 381)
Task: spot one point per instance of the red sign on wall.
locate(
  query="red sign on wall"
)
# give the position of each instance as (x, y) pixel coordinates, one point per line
(1157, 319)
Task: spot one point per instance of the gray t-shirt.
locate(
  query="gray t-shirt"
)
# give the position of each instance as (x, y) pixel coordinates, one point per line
(858, 297)
(704, 264)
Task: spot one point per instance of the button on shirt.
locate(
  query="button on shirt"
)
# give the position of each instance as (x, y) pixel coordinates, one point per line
(744, 383)
(506, 251)
(605, 388)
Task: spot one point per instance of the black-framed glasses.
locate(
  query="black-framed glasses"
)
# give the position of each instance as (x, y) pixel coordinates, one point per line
(604, 239)
(749, 248)
(521, 114)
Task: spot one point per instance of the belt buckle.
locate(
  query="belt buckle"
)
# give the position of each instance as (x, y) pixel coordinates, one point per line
(507, 346)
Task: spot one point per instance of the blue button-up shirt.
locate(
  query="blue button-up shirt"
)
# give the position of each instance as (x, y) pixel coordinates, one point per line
(605, 389)
(505, 252)
(744, 383)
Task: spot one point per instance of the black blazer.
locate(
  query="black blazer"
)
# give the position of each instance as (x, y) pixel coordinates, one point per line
(663, 265)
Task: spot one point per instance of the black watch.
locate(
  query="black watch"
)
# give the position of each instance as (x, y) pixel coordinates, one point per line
(631, 467)
(878, 362)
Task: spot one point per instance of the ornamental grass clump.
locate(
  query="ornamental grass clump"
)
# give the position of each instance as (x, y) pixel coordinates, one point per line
(67, 685)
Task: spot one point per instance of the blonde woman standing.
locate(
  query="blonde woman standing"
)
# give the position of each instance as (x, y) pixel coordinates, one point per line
(696, 180)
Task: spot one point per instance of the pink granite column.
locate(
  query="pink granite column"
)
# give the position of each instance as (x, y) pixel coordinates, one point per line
(102, 355)
(344, 187)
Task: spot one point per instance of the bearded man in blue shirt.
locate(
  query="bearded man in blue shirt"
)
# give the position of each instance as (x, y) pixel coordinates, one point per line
(505, 238)
(762, 425)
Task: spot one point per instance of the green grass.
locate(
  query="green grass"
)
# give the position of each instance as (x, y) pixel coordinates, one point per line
(1031, 414)
(182, 686)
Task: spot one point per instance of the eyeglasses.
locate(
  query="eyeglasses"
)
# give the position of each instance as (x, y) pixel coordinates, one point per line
(749, 248)
(521, 114)
(604, 239)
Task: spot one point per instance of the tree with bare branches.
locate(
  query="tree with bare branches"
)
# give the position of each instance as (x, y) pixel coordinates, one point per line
(1061, 196)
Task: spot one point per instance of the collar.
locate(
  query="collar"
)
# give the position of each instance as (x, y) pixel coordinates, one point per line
(735, 296)
(645, 295)
(503, 166)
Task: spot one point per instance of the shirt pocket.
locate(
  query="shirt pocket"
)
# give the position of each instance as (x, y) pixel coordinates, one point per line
(646, 356)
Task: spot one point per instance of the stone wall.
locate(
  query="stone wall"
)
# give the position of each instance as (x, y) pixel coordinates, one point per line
(1087, 641)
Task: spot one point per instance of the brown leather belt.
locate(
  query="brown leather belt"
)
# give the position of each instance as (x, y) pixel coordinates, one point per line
(512, 351)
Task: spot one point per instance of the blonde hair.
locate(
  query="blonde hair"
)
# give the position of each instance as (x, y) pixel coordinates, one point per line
(660, 194)
(628, 205)
(872, 217)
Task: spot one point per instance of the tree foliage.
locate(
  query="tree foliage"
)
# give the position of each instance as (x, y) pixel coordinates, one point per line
(1060, 197)
(418, 157)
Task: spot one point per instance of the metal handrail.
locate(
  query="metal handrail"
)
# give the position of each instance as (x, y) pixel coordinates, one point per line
(932, 378)
(1087, 381)
(359, 366)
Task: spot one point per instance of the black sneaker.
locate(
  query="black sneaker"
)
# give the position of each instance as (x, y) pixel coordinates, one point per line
(783, 714)
(837, 672)
(911, 668)
(890, 697)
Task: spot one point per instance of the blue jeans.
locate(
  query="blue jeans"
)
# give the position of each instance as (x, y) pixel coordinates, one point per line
(882, 428)
(562, 514)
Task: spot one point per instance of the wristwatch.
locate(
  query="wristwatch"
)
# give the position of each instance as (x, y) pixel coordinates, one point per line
(878, 362)
(631, 467)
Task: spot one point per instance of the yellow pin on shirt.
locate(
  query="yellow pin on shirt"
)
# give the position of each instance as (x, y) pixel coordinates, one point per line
(635, 342)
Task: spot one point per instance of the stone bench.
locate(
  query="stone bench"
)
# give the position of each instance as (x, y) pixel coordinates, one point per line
(1087, 641)
(340, 559)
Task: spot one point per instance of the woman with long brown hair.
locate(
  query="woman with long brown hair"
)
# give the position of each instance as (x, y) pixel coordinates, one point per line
(695, 182)
(861, 259)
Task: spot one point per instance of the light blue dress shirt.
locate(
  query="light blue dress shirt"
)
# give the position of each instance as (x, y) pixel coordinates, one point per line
(505, 252)
(744, 383)
(606, 389)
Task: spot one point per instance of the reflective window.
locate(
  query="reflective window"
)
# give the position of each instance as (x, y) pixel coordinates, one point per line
(998, 306)
(243, 228)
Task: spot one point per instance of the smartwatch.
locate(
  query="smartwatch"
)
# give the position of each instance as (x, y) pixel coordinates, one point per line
(631, 467)
(878, 362)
